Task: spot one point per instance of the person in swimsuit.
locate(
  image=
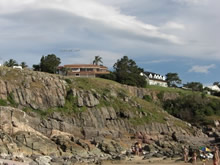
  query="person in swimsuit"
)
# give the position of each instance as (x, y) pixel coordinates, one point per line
(185, 154)
(194, 157)
(216, 156)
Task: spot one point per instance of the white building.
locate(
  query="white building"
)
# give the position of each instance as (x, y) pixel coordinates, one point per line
(155, 79)
(214, 88)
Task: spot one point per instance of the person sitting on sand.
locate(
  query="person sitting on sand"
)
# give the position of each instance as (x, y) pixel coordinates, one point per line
(216, 156)
(185, 154)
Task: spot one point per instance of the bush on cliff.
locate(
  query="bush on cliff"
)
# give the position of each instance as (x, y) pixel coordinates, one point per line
(193, 108)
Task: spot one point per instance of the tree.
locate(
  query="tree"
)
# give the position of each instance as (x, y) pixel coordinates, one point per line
(127, 72)
(48, 63)
(36, 67)
(110, 76)
(97, 60)
(195, 86)
(217, 83)
(173, 79)
(11, 63)
(23, 65)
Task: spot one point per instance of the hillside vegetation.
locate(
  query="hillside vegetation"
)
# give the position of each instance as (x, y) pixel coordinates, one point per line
(194, 107)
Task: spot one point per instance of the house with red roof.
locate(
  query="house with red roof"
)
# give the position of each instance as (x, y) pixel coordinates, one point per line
(83, 70)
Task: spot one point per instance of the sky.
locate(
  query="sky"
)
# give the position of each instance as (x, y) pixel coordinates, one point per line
(161, 36)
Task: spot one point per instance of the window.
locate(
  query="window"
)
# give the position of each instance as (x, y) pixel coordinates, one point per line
(90, 69)
(75, 70)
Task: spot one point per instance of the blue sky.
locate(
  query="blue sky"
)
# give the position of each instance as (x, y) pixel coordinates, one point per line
(160, 35)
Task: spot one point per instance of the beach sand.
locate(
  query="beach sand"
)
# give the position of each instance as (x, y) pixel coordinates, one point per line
(153, 161)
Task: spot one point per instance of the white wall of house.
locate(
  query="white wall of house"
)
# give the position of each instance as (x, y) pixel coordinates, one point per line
(155, 79)
(159, 83)
(214, 88)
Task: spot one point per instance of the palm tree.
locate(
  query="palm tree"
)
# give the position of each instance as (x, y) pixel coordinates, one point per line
(24, 65)
(97, 60)
(10, 63)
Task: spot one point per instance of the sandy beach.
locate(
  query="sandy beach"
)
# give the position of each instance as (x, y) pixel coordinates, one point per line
(154, 161)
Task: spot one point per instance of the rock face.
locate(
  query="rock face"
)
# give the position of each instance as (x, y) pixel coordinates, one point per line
(97, 125)
(32, 89)
(87, 134)
(39, 90)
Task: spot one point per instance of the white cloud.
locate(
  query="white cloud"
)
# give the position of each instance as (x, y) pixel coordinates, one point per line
(173, 25)
(107, 16)
(157, 61)
(202, 69)
(191, 1)
(143, 29)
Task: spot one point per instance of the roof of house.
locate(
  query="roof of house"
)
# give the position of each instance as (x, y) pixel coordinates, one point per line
(148, 73)
(153, 78)
(84, 66)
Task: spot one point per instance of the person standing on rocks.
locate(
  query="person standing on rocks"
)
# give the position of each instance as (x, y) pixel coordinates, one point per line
(216, 156)
(185, 154)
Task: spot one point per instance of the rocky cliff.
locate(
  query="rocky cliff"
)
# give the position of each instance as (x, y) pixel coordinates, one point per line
(85, 119)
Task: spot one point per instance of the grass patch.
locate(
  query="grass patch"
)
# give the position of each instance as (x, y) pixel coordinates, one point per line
(209, 120)
(154, 113)
(147, 98)
(183, 125)
(39, 112)
(3, 102)
(160, 95)
(11, 75)
(178, 90)
(11, 100)
(36, 84)
(93, 83)
(68, 81)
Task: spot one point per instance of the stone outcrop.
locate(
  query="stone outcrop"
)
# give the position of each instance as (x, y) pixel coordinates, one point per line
(90, 132)
(32, 89)
(94, 128)
(39, 90)
(141, 92)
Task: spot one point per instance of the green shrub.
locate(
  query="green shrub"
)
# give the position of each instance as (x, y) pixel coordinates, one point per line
(192, 108)
(11, 100)
(160, 95)
(147, 98)
(3, 102)
(209, 111)
(68, 81)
